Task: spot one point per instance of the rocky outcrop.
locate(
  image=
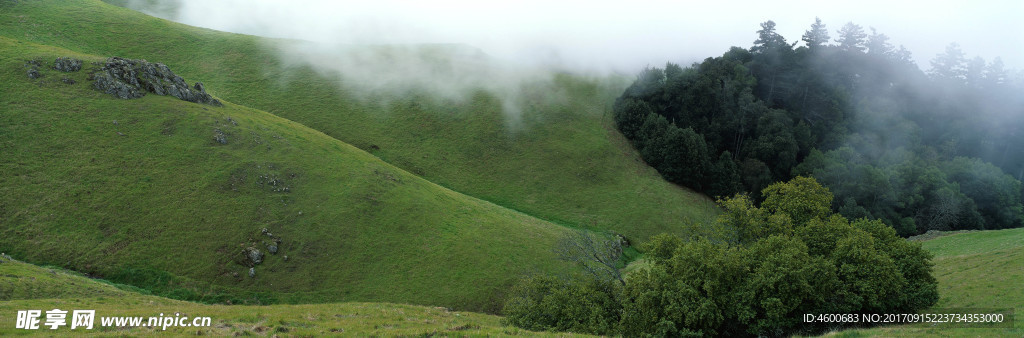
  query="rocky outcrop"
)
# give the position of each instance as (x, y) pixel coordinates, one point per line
(67, 65)
(130, 79)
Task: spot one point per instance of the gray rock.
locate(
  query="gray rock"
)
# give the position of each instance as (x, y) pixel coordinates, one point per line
(252, 272)
(129, 79)
(272, 248)
(67, 64)
(33, 73)
(255, 255)
(68, 80)
(220, 136)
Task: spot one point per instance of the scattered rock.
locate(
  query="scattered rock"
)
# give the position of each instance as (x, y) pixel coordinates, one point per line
(219, 136)
(33, 73)
(130, 79)
(622, 240)
(66, 64)
(272, 248)
(68, 80)
(285, 258)
(252, 272)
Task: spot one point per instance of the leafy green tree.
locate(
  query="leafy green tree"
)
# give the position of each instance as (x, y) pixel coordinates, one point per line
(784, 283)
(547, 303)
(995, 194)
(912, 261)
(694, 292)
(630, 115)
(802, 198)
(724, 179)
(750, 223)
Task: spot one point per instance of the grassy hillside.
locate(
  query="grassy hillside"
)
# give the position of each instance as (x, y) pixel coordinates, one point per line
(138, 191)
(983, 269)
(561, 161)
(30, 287)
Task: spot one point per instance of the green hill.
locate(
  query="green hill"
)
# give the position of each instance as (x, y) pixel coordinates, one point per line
(28, 287)
(138, 191)
(562, 161)
(980, 269)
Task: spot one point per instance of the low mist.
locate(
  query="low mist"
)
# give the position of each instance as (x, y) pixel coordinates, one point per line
(453, 48)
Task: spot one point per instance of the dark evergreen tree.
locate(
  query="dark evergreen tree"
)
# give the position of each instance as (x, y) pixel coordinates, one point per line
(816, 37)
(851, 38)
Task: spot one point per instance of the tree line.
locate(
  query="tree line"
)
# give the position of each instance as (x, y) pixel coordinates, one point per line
(916, 150)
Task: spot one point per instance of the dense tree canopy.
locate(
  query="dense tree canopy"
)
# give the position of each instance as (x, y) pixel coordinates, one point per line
(910, 148)
(757, 277)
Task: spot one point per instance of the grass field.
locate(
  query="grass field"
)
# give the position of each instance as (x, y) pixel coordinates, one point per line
(562, 161)
(449, 209)
(983, 269)
(139, 192)
(29, 287)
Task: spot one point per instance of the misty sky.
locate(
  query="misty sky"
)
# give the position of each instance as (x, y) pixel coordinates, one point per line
(620, 35)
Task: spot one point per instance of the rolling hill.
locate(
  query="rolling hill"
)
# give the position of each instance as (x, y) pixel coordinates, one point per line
(562, 160)
(139, 191)
(449, 207)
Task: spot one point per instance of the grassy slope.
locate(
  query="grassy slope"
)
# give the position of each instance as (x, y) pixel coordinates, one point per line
(98, 184)
(983, 269)
(564, 163)
(29, 287)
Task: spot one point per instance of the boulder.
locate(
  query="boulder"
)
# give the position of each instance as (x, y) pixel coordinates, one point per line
(254, 255)
(252, 272)
(65, 64)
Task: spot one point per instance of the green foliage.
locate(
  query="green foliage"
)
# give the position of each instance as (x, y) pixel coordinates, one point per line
(760, 281)
(996, 195)
(661, 247)
(750, 223)
(692, 292)
(868, 109)
(802, 198)
(784, 282)
(547, 303)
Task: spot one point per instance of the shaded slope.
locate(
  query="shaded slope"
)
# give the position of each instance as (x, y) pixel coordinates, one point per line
(139, 191)
(561, 161)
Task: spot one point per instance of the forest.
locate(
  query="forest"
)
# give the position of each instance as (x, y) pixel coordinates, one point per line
(917, 150)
